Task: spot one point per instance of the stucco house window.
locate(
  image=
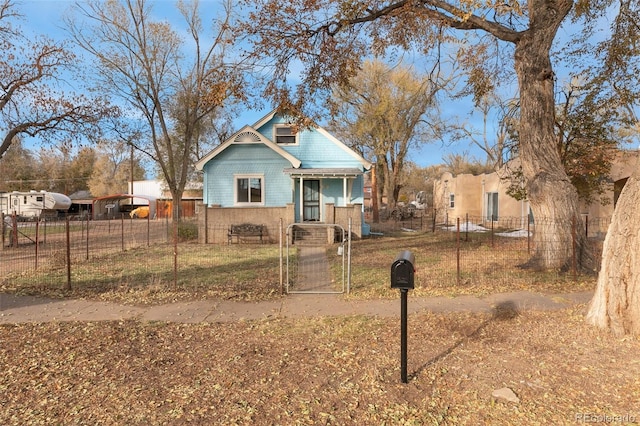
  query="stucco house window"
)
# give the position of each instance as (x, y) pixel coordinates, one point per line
(492, 206)
(249, 190)
(285, 134)
(452, 200)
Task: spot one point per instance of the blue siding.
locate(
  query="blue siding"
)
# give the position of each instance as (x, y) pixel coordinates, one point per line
(247, 159)
(313, 149)
(332, 192)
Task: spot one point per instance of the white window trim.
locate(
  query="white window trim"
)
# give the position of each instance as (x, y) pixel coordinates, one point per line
(490, 206)
(235, 190)
(452, 200)
(275, 136)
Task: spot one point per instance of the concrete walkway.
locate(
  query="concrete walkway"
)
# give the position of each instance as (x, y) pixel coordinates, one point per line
(23, 309)
(313, 271)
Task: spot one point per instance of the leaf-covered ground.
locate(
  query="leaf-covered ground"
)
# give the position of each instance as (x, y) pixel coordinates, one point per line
(308, 371)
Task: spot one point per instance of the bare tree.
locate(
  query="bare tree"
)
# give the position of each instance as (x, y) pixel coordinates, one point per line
(113, 168)
(35, 100)
(382, 113)
(495, 142)
(62, 168)
(174, 86)
(18, 168)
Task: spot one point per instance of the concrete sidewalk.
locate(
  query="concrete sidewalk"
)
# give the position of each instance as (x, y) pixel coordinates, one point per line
(22, 309)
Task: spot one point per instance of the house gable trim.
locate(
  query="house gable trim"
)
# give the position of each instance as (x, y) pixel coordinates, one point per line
(245, 136)
(366, 164)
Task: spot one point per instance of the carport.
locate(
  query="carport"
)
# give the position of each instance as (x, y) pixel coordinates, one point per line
(111, 206)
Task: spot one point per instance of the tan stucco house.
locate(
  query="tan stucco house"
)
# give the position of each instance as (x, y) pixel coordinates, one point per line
(483, 198)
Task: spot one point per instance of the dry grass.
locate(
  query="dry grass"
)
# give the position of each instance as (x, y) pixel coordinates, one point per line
(305, 371)
(485, 266)
(147, 275)
(338, 371)
(252, 272)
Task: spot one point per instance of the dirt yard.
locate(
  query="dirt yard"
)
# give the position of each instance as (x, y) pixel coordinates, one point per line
(342, 370)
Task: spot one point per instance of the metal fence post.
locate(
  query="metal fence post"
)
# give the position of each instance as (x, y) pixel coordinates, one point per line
(37, 241)
(348, 257)
(574, 246)
(458, 251)
(280, 252)
(87, 244)
(175, 253)
(14, 231)
(68, 286)
(466, 231)
(122, 231)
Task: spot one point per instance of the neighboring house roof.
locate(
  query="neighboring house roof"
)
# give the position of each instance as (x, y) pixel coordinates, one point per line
(83, 195)
(248, 135)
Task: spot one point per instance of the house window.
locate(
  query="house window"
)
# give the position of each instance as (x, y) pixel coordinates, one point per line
(249, 190)
(285, 134)
(452, 200)
(492, 206)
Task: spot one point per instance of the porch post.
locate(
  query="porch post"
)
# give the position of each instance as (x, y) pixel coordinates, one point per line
(301, 206)
(344, 191)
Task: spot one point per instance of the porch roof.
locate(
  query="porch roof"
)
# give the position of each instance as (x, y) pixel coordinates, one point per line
(324, 172)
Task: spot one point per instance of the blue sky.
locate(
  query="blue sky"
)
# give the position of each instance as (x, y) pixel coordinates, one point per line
(44, 17)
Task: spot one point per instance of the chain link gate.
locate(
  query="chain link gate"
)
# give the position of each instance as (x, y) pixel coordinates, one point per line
(318, 259)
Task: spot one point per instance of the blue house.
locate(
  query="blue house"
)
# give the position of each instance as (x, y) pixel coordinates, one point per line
(270, 171)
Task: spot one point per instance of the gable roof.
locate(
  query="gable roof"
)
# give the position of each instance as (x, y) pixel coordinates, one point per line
(244, 136)
(366, 164)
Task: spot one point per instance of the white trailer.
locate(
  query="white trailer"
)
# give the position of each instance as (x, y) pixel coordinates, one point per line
(33, 204)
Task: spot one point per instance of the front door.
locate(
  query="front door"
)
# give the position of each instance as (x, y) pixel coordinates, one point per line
(311, 201)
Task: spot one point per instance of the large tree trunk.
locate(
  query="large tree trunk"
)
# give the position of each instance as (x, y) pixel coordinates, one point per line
(553, 198)
(616, 302)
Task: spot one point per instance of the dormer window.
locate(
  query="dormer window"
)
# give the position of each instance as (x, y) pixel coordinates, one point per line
(285, 134)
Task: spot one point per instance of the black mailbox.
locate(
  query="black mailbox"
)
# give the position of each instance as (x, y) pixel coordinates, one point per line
(402, 271)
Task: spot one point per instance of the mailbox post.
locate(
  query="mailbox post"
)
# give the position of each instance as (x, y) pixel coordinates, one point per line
(402, 278)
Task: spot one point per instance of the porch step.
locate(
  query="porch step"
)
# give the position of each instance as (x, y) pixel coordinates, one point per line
(312, 235)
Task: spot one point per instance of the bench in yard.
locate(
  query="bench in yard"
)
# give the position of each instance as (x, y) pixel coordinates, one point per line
(245, 230)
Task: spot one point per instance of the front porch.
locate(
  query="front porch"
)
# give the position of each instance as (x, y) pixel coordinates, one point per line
(214, 221)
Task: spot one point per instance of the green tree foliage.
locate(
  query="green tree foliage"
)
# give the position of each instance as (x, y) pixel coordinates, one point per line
(588, 137)
(587, 140)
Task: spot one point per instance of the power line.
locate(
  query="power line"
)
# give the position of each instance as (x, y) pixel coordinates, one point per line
(43, 180)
